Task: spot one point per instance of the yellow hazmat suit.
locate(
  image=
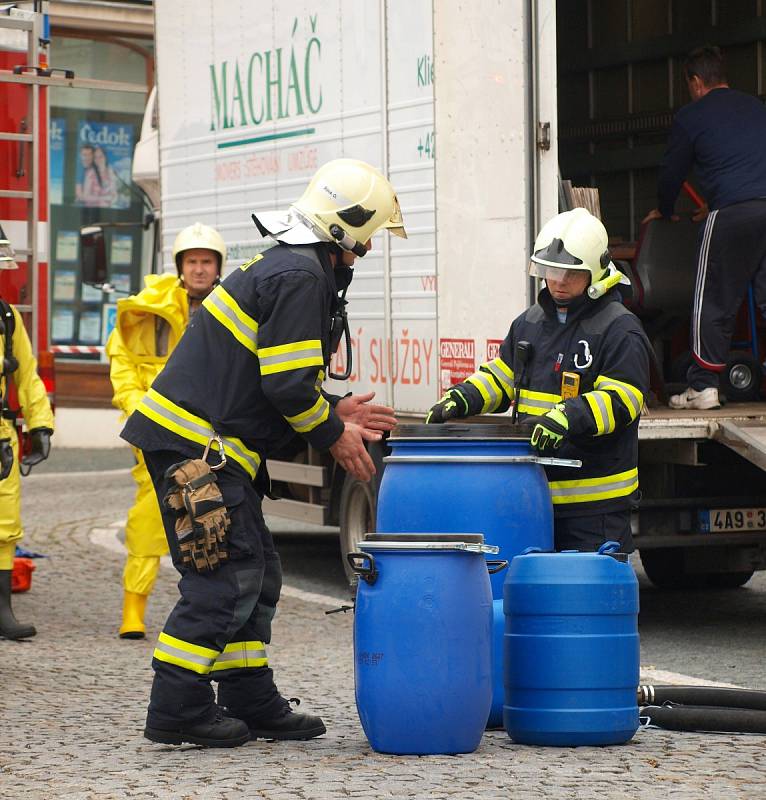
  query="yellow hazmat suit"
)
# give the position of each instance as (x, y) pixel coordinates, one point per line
(149, 326)
(36, 409)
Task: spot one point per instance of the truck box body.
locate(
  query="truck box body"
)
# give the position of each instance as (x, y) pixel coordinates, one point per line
(459, 107)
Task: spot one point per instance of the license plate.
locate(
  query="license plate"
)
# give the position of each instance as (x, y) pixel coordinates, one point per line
(722, 520)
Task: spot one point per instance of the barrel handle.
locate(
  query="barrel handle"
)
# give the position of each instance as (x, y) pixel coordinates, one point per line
(609, 547)
(369, 574)
(529, 550)
(496, 566)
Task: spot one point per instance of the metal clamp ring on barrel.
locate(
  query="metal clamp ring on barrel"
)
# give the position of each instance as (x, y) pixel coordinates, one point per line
(550, 462)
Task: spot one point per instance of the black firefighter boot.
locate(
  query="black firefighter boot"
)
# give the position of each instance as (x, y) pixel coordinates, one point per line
(286, 724)
(10, 627)
(223, 731)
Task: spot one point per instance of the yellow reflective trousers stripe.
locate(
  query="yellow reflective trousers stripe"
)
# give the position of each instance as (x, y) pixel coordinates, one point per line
(227, 311)
(185, 654)
(588, 490)
(189, 426)
(295, 355)
(203, 660)
(241, 655)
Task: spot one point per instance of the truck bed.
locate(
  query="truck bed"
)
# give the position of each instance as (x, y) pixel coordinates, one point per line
(668, 423)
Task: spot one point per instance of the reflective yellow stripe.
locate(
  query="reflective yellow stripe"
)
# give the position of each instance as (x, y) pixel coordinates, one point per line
(601, 407)
(189, 426)
(308, 420)
(227, 311)
(487, 389)
(502, 373)
(587, 490)
(185, 654)
(245, 267)
(537, 403)
(296, 355)
(631, 397)
(241, 655)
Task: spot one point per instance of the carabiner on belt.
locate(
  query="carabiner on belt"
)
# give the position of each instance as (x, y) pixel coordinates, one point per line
(215, 438)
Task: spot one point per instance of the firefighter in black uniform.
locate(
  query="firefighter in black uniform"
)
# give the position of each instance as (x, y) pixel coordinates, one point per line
(580, 363)
(244, 380)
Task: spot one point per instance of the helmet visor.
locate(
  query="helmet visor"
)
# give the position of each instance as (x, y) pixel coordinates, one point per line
(548, 272)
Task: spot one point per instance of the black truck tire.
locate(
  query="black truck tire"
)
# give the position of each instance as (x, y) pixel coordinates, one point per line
(357, 517)
(665, 569)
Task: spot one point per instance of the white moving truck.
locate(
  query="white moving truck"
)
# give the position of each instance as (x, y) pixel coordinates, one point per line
(457, 104)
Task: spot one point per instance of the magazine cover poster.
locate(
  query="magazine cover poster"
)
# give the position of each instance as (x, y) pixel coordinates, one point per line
(104, 158)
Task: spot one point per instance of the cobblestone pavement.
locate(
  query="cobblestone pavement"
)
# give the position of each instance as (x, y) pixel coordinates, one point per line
(74, 701)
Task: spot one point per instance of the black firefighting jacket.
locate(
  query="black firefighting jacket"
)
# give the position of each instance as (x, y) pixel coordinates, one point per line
(604, 344)
(250, 366)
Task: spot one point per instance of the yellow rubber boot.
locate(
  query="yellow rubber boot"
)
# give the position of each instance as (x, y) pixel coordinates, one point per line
(133, 608)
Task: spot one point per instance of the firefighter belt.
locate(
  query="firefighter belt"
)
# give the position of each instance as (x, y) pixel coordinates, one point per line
(202, 517)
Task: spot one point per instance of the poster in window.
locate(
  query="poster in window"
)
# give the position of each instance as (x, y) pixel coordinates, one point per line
(67, 245)
(122, 250)
(121, 282)
(108, 320)
(56, 146)
(90, 327)
(62, 327)
(103, 166)
(90, 294)
(64, 284)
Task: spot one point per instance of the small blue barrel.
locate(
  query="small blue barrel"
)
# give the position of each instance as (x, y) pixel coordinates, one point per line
(571, 648)
(422, 653)
(469, 477)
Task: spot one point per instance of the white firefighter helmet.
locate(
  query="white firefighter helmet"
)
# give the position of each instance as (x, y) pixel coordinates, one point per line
(572, 240)
(346, 202)
(7, 256)
(199, 236)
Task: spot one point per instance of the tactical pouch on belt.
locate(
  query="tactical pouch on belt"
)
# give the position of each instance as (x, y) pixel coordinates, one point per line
(202, 517)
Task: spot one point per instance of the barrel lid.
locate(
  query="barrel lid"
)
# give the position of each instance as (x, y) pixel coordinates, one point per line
(472, 538)
(520, 431)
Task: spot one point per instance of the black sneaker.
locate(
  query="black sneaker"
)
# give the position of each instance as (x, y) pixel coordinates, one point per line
(286, 724)
(223, 731)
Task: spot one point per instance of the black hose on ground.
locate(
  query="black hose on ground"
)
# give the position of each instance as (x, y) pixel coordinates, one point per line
(702, 696)
(705, 718)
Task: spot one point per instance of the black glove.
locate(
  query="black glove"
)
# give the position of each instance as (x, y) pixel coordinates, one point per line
(448, 407)
(6, 458)
(41, 447)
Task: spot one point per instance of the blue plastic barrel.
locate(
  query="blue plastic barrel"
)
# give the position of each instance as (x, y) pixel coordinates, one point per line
(469, 477)
(422, 630)
(571, 648)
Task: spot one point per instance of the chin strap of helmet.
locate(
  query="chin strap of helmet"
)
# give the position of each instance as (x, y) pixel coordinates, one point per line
(347, 242)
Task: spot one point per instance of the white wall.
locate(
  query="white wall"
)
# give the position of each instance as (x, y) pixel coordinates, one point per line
(486, 111)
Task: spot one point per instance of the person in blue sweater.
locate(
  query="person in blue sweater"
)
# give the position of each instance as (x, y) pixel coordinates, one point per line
(721, 134)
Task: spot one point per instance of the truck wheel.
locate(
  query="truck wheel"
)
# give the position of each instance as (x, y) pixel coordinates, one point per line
(665, 569)
(741, 380)
(357, 517)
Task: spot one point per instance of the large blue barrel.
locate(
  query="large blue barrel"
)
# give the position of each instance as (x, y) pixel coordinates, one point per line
(422, 629)
(571, 648)
(465, 478)
(469, 477)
